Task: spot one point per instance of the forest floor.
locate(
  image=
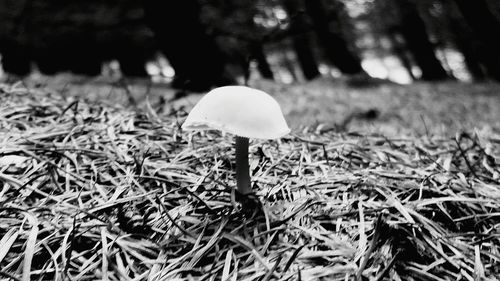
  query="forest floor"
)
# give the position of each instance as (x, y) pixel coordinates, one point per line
(376, 181)
(368, 106)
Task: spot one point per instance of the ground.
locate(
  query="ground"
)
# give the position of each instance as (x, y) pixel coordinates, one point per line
(378, 107)
(377, 181)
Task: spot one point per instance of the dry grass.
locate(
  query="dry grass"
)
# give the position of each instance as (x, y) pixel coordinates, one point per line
(92, 191)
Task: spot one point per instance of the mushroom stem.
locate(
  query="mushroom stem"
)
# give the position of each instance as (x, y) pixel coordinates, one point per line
(242, 170)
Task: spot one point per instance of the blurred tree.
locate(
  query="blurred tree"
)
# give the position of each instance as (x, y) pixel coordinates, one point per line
(486, 29)
(75, 52)
(62, 37)
(13, 44)
(377, 21)
(209, 40)
(14, 57)
(450, 32)
(256, 44)
(131, 55)
(335, 46)
(301, 38)
(400, 50)
(73, 35)
(240, 36)
(134, 45)
(195, 57)
(132, 60)
(463, 40)
(413, 30)
(257, 53)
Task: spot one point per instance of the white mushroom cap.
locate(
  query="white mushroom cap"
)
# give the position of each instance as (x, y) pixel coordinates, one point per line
(238, 110)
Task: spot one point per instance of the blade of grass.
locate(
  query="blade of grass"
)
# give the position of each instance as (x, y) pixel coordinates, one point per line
(29, 252)
(7, 241)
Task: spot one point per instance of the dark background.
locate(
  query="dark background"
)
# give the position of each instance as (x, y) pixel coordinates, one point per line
(217, 42)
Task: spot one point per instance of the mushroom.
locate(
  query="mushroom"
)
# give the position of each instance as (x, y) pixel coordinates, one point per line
(244, 112)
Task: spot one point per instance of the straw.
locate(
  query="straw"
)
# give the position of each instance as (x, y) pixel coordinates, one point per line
(97, 191)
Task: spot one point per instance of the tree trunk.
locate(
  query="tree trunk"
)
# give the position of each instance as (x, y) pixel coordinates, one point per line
(335, 46)
(257, 53)
(400, 51)
(15, 59)
(463, 40)
(195, 57)
(14, 46)
(487, 29)
(301, 39)
(465, 45)
(53, 57)
(84, 56)
(305, 56)
(417, 40)
(132, 66)
(76, 52)
(132, 59)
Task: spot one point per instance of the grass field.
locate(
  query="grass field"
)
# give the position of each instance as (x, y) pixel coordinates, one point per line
(380, 182)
